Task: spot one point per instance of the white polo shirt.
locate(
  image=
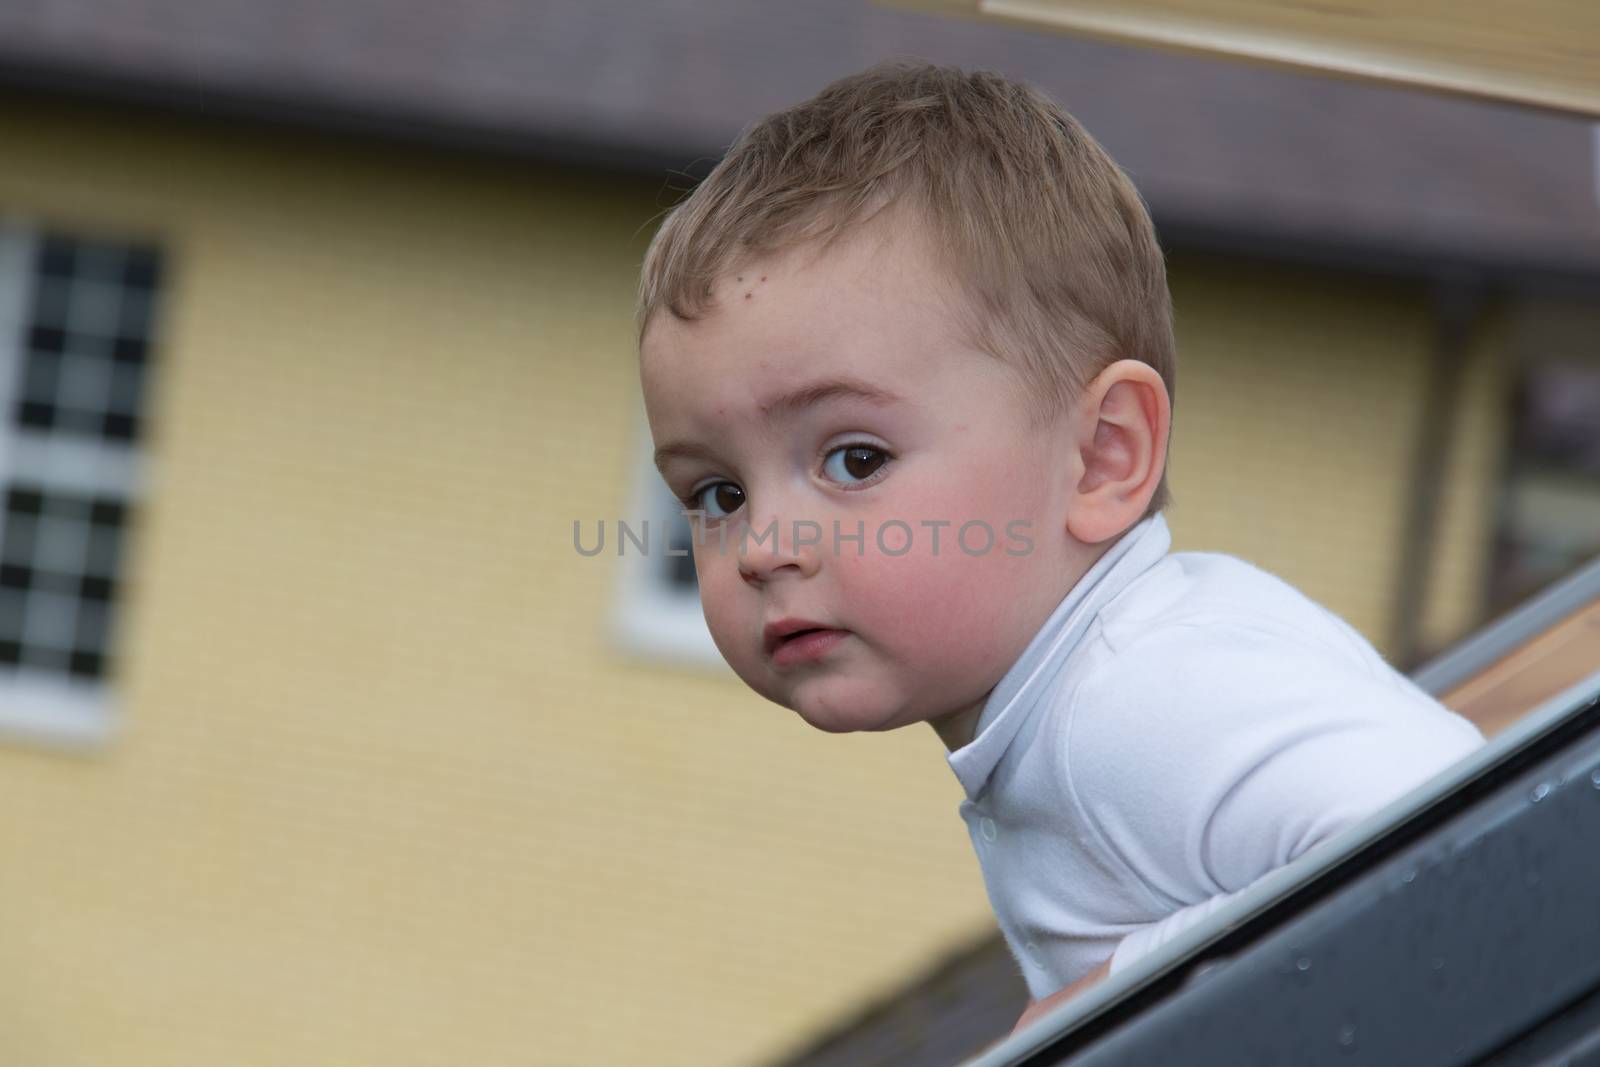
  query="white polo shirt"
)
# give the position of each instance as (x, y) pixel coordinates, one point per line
(1181, 725)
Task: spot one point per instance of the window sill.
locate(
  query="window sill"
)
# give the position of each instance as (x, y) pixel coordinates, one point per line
(53, 713)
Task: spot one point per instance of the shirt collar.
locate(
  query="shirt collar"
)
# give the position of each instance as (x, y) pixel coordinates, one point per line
(1018, 693)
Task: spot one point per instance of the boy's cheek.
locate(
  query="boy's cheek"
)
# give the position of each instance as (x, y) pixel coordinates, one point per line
(732, 636)
(724, 616)
(925, 598)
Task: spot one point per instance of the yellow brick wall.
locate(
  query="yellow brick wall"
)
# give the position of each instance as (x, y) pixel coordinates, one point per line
(1300, 394)
(385, 792)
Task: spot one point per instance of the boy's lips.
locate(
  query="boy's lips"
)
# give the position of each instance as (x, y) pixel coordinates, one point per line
(793, 640)
(805, 646)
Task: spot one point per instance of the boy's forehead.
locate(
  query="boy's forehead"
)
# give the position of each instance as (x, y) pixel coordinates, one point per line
(870, 310)
(754, 366)
(857, 293)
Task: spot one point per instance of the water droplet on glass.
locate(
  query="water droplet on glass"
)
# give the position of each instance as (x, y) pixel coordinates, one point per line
(1438, 963)
(1594, 778)
(1303, 963)
(1409, 877)
(1531, 878)
(1347, 1036)
(1540, 791)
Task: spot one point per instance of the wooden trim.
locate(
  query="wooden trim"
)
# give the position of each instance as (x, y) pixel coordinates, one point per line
(1543, 53)
(1546, 665)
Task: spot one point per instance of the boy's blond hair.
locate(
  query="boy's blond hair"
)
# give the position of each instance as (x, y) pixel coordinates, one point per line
(1044, 236)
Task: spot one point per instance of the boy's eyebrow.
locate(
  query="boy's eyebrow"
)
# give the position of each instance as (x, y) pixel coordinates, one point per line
(787, 404)
(680, 449)
(826, 389)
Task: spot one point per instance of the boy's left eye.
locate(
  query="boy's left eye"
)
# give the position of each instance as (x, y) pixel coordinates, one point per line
(853, 463)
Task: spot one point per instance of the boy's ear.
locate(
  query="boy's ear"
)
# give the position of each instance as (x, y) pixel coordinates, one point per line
(1121, 423)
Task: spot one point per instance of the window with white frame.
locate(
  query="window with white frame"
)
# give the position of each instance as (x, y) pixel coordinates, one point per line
(75, 334)
(658, 599)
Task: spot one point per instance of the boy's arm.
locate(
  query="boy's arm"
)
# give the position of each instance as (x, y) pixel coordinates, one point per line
(1132, 946)
(1218, 768)
(1037, 1008)
(1153, 935)
(1206, 762)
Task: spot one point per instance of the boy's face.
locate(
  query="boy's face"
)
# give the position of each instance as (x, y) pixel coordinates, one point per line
(836, 391)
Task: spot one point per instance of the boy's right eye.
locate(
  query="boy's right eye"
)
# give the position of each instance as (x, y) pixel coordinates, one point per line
(718, 500)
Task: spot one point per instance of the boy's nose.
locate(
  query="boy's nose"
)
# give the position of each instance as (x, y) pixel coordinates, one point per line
(778, 547)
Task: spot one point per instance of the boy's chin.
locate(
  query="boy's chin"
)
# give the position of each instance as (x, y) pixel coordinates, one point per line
(847, 717)
(852, 725)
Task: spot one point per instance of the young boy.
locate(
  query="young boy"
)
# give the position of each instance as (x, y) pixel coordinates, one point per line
(907, 357)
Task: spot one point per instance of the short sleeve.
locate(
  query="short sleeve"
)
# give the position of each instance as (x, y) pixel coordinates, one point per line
(1204, 757)
(1146, 939)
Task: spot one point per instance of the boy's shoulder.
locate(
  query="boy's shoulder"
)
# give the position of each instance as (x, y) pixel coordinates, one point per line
(1207, 650)
(1200, 601)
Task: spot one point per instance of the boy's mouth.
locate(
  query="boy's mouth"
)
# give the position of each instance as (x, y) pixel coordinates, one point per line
(786, 632)
(805, 646)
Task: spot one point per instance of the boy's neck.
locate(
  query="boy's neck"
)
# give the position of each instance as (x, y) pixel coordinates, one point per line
(957, 730)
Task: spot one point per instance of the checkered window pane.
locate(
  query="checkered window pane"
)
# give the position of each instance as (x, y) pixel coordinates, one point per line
(58, 566)
(77, 366)
(87, 340)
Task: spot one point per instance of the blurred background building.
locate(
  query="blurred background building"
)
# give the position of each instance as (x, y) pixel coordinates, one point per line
(326, 745)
